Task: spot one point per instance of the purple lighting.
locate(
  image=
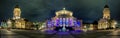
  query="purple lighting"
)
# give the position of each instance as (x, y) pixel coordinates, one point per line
(63, 22)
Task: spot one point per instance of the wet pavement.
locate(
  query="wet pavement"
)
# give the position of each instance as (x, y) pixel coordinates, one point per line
(114, 34)
(8, 34)
(54, 34)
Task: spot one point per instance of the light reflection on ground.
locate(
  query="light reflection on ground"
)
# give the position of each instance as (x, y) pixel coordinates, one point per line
(63, 32)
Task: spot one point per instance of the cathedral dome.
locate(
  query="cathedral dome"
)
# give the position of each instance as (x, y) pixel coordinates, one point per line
(17, 6)
(106, 6)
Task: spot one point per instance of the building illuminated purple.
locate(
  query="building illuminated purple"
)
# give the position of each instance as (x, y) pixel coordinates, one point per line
(64, 21)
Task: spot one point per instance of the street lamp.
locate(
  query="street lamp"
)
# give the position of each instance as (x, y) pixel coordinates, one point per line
(115, 23)
(9, 23)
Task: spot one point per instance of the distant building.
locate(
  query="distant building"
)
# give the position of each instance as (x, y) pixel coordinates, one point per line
(29, 25)
(3, 24)
(90, 26)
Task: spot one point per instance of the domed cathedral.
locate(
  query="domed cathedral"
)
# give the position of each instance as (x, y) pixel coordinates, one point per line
(16, 21)
(106, 22)
(64, 21)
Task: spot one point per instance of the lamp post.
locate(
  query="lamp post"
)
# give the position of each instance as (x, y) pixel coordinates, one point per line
(9, 24)
(115, 24)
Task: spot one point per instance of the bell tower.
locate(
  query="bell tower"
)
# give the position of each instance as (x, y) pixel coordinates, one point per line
(17, 12)
(106, 12)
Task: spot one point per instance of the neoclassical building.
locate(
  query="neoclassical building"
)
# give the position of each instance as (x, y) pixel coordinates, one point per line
(64, 21)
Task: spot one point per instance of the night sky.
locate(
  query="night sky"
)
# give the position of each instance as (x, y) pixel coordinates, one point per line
(40, 10)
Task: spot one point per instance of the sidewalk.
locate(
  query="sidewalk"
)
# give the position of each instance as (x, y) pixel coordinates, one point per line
(9, 34)
(114, 34)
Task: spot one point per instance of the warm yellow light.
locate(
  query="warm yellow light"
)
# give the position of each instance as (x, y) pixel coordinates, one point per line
(64, 11)
(115, 23)
(106, 13)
